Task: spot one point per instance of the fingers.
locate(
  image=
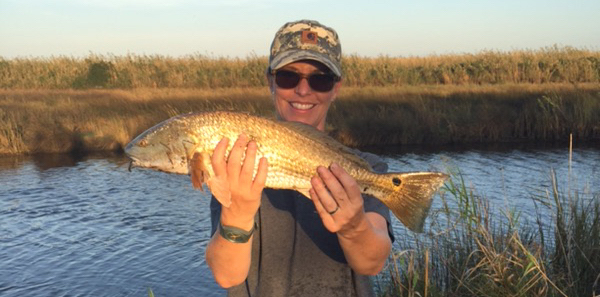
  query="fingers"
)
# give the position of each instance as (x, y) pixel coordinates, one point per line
(338, 200)
(249, 161)
(323, 195)
(257, 183)
(237, 168)
(323, 213)
(333, 185)
(234, 161)
(348, 183)
(218, 158)
(261, 176)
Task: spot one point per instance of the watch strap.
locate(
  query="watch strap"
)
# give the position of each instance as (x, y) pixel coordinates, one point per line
(234, 234)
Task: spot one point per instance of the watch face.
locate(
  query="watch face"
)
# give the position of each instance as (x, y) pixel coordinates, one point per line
(234, 234)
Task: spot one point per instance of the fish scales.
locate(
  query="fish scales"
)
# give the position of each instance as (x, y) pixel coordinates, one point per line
(291, 168)
(293, 151)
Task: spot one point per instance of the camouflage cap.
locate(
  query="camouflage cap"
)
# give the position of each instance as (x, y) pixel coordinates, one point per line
(306, 40)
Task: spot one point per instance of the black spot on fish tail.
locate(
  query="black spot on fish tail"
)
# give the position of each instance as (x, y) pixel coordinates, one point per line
(396, 181)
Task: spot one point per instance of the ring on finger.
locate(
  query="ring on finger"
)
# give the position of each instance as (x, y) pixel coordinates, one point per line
(337, 207)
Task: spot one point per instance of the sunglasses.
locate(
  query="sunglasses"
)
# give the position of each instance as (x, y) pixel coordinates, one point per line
(320, 82)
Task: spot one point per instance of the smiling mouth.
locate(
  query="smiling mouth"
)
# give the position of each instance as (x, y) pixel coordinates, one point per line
(302, 106)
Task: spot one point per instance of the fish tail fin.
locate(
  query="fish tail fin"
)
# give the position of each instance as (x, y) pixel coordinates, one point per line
(412, 195)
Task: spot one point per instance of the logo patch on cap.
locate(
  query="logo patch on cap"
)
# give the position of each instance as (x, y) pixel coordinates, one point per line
(309, 37)
(306, 40)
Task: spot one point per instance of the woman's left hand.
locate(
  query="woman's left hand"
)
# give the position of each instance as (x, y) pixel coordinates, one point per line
(338, 201)
(363, 236)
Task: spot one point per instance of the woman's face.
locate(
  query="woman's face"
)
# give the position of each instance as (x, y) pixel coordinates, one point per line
(301, 103)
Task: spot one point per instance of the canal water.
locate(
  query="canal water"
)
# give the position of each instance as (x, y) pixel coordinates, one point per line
(85, 226)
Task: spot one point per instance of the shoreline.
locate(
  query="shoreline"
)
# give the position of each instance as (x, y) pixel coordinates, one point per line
(83, 121)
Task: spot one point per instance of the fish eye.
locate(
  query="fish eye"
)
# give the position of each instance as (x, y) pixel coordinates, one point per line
(396, 181)
(143, 143)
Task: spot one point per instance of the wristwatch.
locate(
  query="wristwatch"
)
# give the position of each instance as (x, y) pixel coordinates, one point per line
(234, 234)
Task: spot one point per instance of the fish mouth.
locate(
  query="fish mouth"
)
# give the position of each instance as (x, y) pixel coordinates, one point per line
(168, 169)
(134, 162)
(302, 106)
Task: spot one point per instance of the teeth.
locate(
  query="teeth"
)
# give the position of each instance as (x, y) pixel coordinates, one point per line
(302, 106)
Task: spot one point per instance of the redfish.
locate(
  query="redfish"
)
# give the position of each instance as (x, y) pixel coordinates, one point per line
(293, 151)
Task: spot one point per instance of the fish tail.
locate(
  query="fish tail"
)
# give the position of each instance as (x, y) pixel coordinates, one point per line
(411, 196)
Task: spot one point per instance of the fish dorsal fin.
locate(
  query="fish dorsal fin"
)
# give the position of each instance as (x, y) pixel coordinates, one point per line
(311, 132)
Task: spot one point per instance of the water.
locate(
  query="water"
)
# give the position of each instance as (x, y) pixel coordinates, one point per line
(510, 176)
(88, 227)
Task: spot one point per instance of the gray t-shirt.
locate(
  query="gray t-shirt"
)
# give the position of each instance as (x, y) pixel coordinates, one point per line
(293, 254)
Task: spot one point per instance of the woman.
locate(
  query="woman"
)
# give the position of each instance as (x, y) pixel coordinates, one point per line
(276, 242)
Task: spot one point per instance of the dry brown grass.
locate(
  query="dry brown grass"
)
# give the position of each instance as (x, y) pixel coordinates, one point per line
(542, 66)
(63, 121)
(89, 120)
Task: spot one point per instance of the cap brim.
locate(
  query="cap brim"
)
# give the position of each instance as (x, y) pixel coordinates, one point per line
(292, 56)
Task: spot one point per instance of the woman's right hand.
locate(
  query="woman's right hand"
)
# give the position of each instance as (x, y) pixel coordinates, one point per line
(236, 175)
(233, 177)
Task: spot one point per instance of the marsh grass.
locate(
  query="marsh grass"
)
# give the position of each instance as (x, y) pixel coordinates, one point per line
(541, 66)
(100, 120)
(35, 121)
(471, 252)
(457, 115)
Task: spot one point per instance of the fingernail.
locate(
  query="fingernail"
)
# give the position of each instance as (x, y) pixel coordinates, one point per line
(335, 166)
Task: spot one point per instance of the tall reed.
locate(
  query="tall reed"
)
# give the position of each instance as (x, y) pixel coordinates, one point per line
(545, 65)
(470, 250)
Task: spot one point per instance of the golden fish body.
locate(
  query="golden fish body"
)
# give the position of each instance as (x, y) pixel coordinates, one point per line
(293, 151)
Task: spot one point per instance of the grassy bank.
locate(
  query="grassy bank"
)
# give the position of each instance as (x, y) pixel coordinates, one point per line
(546, 65)
(33, 121)
(469, 252)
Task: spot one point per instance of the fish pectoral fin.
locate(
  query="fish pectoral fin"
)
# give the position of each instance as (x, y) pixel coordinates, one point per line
(200, 169)
(304, 192)
(196, 171)
(201, 172)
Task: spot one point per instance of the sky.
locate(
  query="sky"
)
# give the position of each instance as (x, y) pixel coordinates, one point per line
(243, 28)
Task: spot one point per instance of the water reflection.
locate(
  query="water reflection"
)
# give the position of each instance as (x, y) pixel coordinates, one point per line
(11, 162)
(48, 161)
